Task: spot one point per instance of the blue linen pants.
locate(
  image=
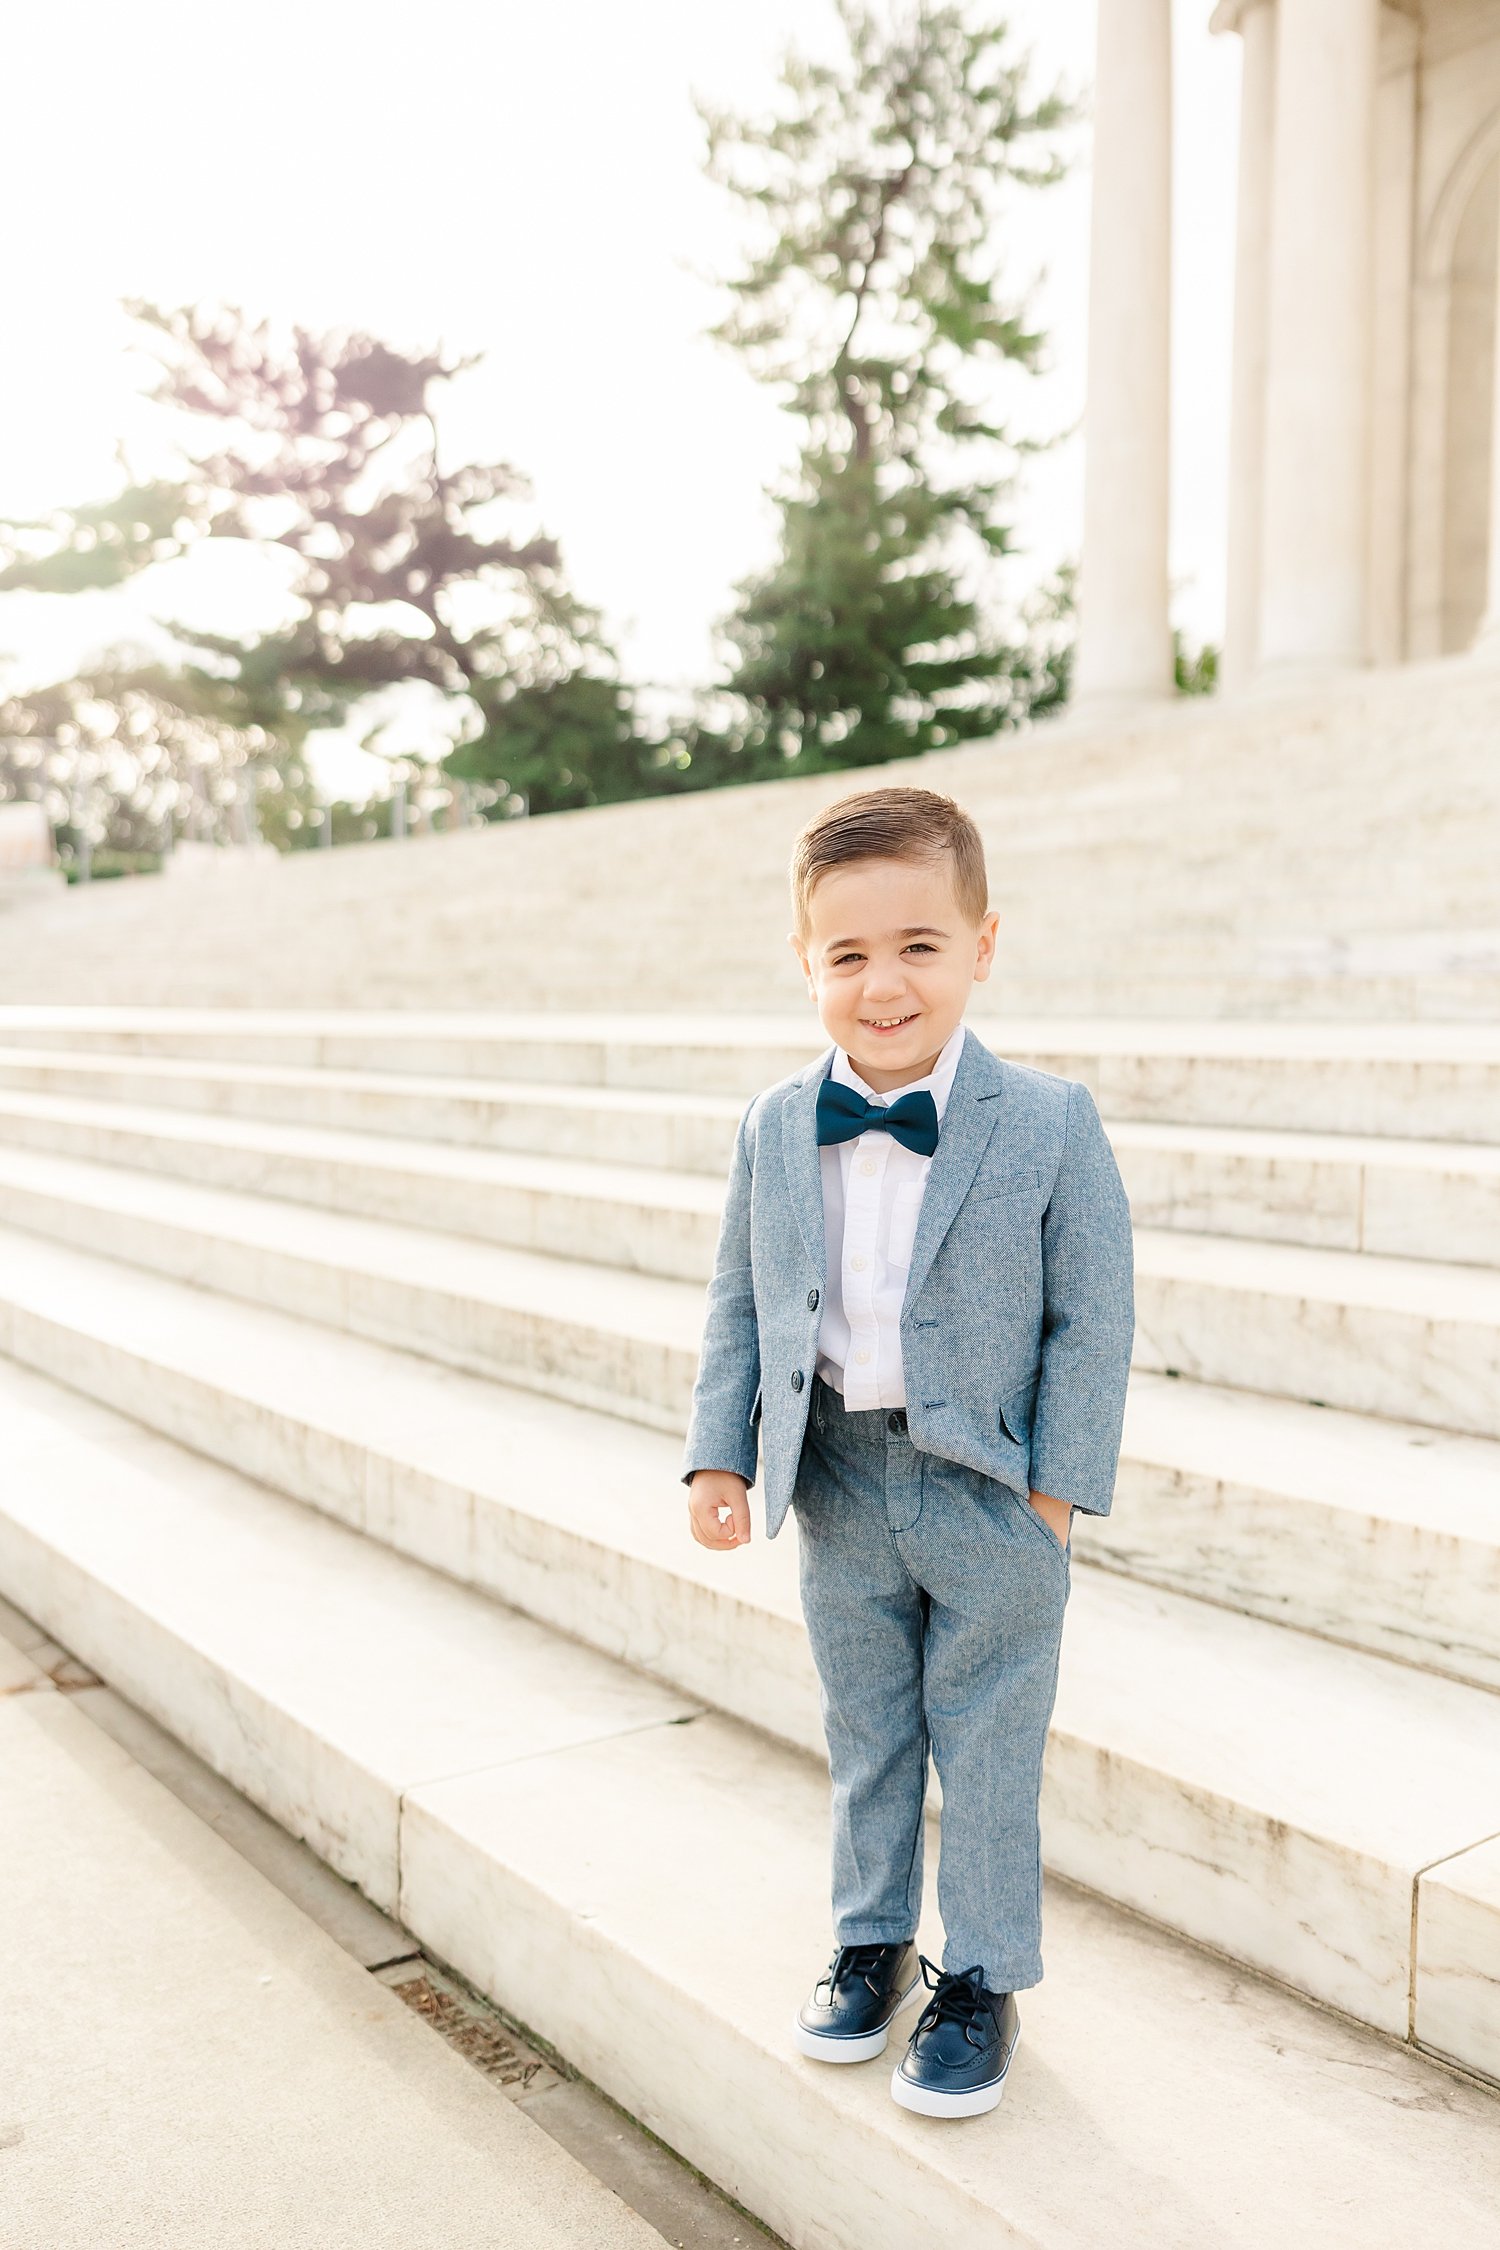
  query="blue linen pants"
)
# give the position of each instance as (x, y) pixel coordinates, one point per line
(934, 1600)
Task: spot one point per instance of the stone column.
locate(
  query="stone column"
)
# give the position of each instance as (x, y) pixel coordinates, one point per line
(1255, 21)
(1487, 638)
(1314, 556)
(1124, 637)
(1392, 362)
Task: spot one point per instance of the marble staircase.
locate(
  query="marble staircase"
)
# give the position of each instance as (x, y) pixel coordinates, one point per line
(1327, 853)
(346, 1361)
(643, 1875)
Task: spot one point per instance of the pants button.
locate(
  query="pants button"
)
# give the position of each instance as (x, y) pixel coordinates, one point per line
(895, 1423)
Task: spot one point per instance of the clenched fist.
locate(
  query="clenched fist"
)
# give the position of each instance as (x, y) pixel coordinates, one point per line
(719, 1509)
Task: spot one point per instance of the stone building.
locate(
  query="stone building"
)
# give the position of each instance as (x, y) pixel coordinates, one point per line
(1363, 521)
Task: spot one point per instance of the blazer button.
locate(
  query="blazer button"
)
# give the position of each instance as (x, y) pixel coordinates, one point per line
(796, 1378)
(812, 1300)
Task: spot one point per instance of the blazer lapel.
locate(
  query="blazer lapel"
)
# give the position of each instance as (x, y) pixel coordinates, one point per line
(971, 1115)
(803, 1160)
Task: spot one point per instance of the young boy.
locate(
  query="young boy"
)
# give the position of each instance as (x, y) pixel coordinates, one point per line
(923, 1296)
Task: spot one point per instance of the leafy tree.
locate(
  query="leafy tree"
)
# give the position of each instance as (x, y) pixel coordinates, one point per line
(559, 743)
(325, 449)
(871, 301)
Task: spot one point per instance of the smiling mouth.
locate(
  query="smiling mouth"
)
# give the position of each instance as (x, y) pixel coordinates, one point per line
(887, 1023)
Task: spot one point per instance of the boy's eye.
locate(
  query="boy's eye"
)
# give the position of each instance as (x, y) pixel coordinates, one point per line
(842, 960)
(918, 946)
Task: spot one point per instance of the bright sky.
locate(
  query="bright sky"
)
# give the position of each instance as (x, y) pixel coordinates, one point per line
(524, 182)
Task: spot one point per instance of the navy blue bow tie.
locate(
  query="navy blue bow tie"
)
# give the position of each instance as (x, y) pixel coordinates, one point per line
(844, 1113)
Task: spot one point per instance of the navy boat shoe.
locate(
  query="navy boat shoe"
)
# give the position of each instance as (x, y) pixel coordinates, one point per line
(960, 2050)
(849, 2013)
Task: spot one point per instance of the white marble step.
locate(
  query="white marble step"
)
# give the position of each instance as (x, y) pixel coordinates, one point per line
(1267, 1792)
(1422, 1199)
(720, 1054)
(1458, 1956)
(1435, 1199)
(594, 1855)
(1378, 1534)
(643, 1218)
(1382, 1534)
(1399, 1337)
(1438, 1081)
(1404, 1337)
(594, 1334)
(683, 1132)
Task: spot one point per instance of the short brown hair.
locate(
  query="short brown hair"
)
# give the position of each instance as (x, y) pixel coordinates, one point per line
(899, 823)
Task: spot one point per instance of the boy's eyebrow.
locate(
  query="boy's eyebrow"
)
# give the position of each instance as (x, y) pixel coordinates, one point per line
(921, 929)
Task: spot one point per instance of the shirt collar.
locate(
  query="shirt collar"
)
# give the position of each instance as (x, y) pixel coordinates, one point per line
(938, 1082)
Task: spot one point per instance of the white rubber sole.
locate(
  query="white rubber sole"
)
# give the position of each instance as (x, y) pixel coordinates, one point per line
(821, 2048)
(926, 2103)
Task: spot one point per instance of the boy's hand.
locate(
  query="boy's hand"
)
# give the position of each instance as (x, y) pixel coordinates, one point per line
(1056, 1514)
(711, 1493)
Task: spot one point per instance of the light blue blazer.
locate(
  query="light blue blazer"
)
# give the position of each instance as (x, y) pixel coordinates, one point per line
(1019, 1313)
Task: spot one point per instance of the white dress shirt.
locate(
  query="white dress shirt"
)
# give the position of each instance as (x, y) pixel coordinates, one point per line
(872, 1197)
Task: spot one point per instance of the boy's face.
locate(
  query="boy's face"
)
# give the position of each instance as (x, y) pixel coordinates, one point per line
(891, 959)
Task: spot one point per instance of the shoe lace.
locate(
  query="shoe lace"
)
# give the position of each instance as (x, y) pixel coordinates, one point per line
(958, 1996)
(850, 1963)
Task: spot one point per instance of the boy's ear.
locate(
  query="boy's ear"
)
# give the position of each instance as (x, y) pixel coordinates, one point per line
(794, 940)
(984, 959)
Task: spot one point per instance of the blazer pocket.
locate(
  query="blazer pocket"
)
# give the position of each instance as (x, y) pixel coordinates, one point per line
(1026, 1181)
(1016, 1409)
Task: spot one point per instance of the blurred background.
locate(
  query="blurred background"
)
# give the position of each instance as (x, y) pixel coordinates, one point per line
(340, 296)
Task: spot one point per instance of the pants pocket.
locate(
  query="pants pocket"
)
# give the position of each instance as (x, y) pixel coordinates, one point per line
(1041, 1527)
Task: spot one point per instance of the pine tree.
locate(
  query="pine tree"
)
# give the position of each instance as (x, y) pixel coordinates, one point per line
(872, 302)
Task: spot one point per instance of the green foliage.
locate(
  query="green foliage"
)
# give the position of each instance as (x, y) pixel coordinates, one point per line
(555, 745)
(853, 650)
(872, 302)
(81, 550)
(1196, 671)
(107, 864)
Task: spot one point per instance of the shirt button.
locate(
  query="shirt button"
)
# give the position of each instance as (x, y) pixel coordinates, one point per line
(796, 1378)
(867, 1166)
(857, 1265)
(861, 1359)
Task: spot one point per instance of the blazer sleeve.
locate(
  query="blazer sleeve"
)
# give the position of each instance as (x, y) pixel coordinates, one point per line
(721, 1432)
(1088, 1318)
